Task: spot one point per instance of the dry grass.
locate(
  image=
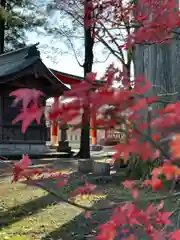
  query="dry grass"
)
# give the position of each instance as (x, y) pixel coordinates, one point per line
(28, 211)
(32, 212)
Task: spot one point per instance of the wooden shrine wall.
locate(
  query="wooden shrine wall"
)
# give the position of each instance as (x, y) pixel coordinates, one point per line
(11, 133)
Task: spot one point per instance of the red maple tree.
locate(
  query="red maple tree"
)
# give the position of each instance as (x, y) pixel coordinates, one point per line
(146, 21)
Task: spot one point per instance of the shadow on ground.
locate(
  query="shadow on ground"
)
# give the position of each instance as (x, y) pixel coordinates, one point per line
(32, 207)
(27, 209)
(79, 228)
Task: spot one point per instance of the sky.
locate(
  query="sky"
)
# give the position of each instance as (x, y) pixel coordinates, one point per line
(53, 58)
(55, 52)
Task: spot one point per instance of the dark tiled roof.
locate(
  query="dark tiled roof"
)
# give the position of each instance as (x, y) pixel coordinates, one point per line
(16, 61)
(21, 59)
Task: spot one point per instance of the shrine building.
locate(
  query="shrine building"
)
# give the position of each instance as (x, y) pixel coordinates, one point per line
(24, 68)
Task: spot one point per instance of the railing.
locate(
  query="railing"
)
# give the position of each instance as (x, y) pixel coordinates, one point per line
(111, 133)
(74, 135)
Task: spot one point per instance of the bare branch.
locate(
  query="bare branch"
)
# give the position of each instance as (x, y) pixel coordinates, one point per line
(103, 61)
(168, 94)
(100, 38)
(81, 65)
(112, 38)
(111, 49)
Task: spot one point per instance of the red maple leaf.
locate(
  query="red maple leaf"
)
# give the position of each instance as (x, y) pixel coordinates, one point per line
(131, 237)
(27, 96)
(86, 189)
(133, 146)
(91, 76)
(107, 231)
(28, 115)
(24, 162)
(155, 183)
(135, 193)
(88, 214)
(64, 180)
(175, 235)
(78, 90)
(174, 145)
(163, 218)
(142, 85)
(129, 184)
(19, 167)
(169, 170)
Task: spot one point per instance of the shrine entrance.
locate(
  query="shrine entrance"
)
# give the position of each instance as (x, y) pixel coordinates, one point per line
(61, 138)
(74, 136)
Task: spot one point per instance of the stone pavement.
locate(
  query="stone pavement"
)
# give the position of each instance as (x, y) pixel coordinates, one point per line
(53, 154)
(56, 160)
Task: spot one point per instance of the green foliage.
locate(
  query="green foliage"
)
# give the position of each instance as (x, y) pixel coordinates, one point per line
(20, 16)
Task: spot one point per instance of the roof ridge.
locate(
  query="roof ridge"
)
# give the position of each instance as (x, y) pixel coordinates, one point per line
(67, 74)
(19, 50)
(50, 70)
(73, 76)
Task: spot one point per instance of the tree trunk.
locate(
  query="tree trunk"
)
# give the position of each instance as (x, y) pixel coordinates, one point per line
(84, 151)
(2, 27)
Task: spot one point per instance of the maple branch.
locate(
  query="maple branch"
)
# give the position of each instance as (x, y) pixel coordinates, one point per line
(70, 202)
(103, 61)
(30, 181)
(168, 94)
(110, 49)
(112, 38)
(175, 211)
(138, 25)
(114, 205)
(98, 37)
(154, 144)
(159, 86)
(172, 214)
(81, 65)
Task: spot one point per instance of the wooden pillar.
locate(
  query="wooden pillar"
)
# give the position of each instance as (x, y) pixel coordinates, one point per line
(55, 128)
(93, 129)
(106, 133)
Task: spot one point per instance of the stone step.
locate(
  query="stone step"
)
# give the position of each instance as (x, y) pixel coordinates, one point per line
(48, 155)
